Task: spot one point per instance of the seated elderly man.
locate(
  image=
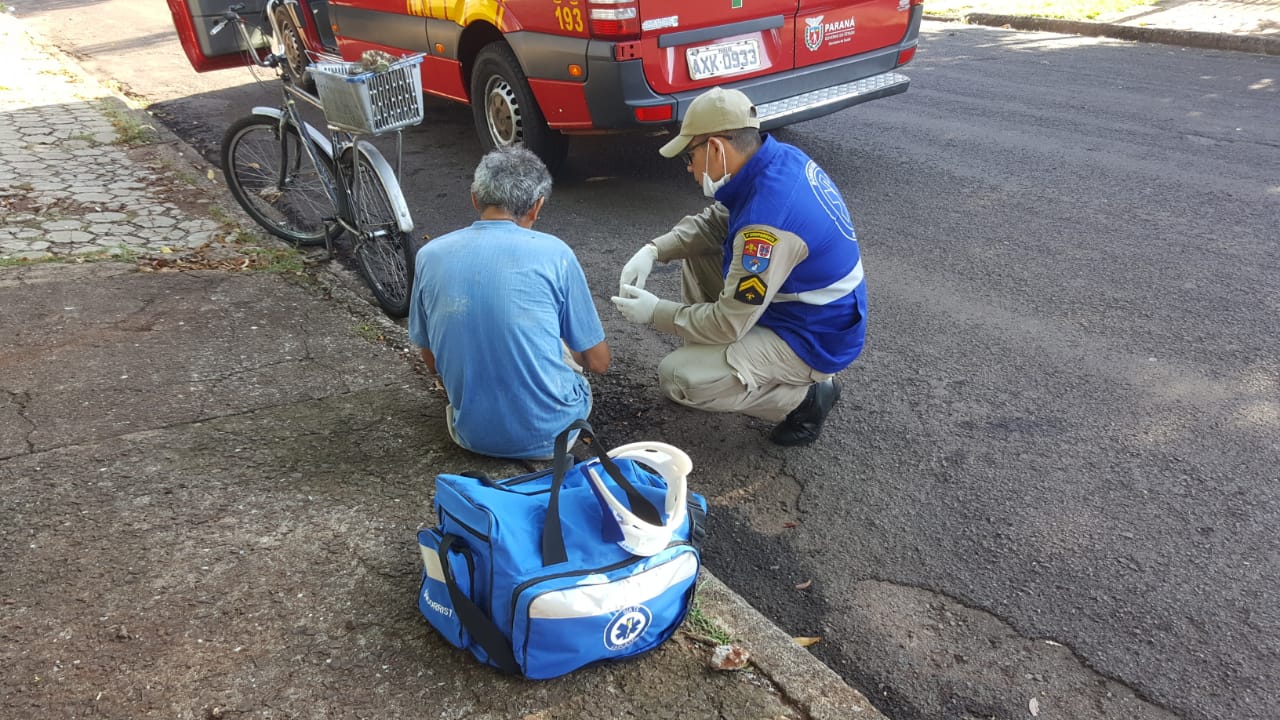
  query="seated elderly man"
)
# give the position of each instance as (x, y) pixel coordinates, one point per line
(503, 314)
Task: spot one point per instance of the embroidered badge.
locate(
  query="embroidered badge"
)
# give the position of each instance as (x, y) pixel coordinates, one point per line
(757, 247)
(627, 626)
(751, 290)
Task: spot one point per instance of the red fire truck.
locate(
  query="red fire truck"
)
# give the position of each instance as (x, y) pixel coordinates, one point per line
(538, 71)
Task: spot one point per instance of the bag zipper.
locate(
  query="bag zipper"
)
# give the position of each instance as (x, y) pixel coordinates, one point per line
(607, 568)
(464, 526)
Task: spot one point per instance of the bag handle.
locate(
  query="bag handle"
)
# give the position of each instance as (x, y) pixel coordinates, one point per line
(484, 630)
(553, 551)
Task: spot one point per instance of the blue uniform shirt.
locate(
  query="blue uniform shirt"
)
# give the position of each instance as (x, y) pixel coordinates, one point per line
(492, 302)
(820, 310)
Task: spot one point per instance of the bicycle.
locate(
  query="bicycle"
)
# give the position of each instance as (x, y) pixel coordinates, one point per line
(307, 187)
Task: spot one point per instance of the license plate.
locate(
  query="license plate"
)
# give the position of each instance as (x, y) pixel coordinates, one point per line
(729, 58)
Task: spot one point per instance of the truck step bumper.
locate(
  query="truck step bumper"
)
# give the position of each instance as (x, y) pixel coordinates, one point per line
(827, 100)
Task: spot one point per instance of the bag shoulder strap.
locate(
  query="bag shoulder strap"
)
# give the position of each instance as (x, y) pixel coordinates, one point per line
(482, 628)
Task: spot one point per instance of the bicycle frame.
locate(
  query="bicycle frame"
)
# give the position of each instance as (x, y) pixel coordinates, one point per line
(338, 142)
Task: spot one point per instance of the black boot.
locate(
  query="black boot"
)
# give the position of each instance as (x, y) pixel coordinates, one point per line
(804, 424)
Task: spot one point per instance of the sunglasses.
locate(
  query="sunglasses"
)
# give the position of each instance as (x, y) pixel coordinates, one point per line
(688, 153)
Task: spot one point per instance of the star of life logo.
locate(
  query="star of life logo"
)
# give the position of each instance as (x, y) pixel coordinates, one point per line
(443, 610)
(829, 197)
(627, 626)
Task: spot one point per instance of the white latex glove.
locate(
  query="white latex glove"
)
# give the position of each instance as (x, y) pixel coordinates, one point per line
(637, 269)
(636, 305)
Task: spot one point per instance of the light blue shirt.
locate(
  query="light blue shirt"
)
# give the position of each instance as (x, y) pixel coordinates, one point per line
(492, 302)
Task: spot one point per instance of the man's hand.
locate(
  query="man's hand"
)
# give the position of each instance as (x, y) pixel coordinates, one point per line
(637, 269)
(636, 305)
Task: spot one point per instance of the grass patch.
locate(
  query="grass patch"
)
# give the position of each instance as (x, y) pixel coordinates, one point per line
(6, 262)
(241, 252)
(370, 332)
(129, 130)
(275, 260)
(104, 255)
(219, 214)
(1058, 9)
(703, 628)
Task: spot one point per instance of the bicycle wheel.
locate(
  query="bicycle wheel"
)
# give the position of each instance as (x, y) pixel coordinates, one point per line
(385, 253)
(276, 183)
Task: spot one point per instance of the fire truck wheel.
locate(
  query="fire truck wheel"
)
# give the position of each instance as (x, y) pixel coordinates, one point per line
(505, 111)
(295, 48)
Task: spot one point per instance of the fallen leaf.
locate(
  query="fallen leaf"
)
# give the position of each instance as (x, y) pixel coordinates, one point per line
(212, 175)
(166, 250)
(807, 641)
(790, 524)
(1033, 706)
(804, 585)
(729, 657)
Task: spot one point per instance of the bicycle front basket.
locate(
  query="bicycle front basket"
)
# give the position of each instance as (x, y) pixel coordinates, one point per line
(370, 102)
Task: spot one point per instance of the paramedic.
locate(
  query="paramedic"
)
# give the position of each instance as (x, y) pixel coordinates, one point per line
(774, 302)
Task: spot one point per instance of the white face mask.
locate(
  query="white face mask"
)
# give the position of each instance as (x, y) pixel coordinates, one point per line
(709, 186)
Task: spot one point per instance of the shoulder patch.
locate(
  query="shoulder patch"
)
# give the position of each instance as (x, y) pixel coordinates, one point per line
(757, 248)
(751, 290)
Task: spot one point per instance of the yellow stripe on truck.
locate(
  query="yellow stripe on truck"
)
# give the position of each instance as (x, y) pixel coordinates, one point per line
(463, 12)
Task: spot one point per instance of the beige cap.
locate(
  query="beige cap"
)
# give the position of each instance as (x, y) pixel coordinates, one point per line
(714, 111)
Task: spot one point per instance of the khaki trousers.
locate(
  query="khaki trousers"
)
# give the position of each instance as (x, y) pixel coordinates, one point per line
(759, 375)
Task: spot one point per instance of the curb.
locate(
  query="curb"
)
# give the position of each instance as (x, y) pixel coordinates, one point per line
(803, 679)
(1258, 44)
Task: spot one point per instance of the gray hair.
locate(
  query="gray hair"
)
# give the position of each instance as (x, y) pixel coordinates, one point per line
(512, 178)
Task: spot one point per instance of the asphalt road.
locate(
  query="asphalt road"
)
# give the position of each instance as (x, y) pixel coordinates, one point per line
(1051, 488)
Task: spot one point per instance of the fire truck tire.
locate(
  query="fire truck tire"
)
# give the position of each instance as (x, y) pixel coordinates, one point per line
(295, 48)
(505, 110)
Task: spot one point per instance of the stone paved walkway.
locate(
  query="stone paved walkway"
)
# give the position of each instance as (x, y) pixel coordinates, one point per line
(70, 182)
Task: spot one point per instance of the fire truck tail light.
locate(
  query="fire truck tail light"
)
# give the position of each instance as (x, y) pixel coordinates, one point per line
(614, 19)
(655, 113)
(904, 56)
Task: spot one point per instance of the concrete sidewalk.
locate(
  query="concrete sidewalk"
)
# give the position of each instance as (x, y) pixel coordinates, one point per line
(214, 466)
(1251, 26)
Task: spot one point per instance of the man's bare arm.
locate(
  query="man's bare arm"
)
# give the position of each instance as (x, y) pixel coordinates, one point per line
(595, 359)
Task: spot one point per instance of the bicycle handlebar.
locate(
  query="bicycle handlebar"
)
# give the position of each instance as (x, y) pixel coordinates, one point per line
(232, 15)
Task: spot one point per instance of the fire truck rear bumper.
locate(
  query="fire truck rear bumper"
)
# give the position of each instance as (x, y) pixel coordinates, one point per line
(615, 90)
